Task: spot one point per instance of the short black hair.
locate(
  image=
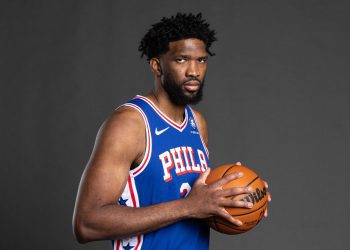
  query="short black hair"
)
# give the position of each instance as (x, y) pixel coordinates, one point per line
(182, 26)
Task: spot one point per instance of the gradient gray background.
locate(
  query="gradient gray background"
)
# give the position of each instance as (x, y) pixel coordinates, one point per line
(276, 98)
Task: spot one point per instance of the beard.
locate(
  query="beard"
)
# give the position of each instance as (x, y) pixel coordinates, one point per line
(177, 95)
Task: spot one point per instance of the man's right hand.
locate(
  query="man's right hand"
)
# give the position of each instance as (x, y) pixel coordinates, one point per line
(206, 200)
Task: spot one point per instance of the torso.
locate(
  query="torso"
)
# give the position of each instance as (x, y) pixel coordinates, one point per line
(173, 158)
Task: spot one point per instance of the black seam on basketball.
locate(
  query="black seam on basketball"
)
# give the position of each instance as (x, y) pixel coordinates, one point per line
(252, 181)
(227, 170)
(230, 226)
(234, 215)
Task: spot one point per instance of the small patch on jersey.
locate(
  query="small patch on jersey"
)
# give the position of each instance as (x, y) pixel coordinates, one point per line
(128, 247)
(193, 124)
(122, 201)
(159, 132)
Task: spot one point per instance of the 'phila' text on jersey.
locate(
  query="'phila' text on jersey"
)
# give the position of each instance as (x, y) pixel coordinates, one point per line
(183, 159)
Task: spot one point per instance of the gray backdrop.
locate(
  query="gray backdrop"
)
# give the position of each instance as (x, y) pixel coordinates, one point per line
(276, 98)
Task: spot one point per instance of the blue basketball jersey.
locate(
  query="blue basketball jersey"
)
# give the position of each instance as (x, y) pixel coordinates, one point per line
(175, 155)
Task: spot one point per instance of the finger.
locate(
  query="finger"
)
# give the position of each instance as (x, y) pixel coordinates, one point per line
(265, 213)
(203, 176)
(227, 178)
(238, 163)
(236, 203)
(230, 218)
(236, 191)
(269, 197)
(265, 184)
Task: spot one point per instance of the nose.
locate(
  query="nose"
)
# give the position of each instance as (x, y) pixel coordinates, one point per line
(193, 69)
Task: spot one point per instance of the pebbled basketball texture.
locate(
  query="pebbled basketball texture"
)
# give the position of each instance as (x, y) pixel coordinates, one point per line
(250, 217)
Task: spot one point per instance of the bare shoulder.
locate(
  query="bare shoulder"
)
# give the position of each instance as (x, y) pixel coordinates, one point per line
(124, 119)
(202, 125)
(120, 140)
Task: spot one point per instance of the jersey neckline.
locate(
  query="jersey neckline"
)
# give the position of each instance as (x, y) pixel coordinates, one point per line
(168, 120)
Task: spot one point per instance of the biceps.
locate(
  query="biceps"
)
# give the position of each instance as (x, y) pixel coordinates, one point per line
(118, 144)
(105, 175)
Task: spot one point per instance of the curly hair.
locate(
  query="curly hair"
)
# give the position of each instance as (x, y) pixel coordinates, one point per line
(182, 26)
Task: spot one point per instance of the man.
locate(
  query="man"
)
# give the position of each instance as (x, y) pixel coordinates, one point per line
(144, 185)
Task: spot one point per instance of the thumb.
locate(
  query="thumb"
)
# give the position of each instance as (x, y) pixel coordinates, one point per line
(203, 176)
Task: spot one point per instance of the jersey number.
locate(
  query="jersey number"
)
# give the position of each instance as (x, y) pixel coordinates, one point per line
(185, 189)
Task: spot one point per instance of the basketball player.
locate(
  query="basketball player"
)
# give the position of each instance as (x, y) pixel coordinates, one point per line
(144, 185)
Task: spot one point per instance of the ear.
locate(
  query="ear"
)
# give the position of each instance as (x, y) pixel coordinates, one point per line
(155, 66)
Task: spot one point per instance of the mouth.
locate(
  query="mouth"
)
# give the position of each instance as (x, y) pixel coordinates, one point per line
(192, 85)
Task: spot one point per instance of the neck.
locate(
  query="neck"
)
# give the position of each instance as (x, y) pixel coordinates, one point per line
(161, 99)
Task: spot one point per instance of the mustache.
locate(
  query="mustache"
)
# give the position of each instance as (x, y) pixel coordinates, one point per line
(189, 79)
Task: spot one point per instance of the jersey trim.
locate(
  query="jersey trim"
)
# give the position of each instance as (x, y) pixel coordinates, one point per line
(165, 117)
(117, 245)
(133, 192)
(203, 143)
(137, 170)
(136, 203)
(135, 241)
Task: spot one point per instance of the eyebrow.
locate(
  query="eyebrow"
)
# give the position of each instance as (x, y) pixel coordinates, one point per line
(188, 56)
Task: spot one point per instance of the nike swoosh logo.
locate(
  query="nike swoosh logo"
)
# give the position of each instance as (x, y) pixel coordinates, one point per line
(158, 132)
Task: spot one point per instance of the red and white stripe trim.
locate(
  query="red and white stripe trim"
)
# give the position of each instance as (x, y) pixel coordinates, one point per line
(165, 117)
(137, 170)
(135, 241)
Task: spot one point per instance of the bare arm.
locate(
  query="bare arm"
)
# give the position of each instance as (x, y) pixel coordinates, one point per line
(119, 144)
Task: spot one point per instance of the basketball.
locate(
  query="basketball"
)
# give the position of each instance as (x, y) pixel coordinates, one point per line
(249, 217)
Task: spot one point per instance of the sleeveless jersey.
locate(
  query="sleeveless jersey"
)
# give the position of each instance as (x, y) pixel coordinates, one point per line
(174, 157)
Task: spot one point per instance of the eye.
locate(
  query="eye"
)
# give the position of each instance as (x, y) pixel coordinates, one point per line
(202, 60)
(180, 60)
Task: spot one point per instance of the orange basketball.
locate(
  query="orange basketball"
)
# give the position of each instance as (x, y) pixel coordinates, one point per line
(250, 217)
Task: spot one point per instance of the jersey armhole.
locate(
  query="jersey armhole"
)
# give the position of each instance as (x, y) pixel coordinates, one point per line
(148, 150)
(203, 143)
